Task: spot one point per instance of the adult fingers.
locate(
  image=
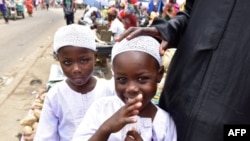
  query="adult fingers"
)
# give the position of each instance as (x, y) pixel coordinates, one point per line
(133, 32)
(163, 47)
(151, 31)
(130, 32)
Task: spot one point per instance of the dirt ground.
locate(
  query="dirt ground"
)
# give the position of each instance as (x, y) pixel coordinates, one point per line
(17, 97)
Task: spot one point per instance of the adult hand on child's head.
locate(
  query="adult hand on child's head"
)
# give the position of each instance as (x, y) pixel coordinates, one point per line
(133, 32)
(133, 135)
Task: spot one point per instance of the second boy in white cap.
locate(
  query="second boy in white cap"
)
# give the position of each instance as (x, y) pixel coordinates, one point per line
(67, 101)
(137, 70)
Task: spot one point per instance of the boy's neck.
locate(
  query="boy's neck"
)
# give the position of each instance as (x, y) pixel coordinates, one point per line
(84, 89)
(149, 111)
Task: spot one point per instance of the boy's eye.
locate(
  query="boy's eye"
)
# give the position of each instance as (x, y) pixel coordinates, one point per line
(121, 80)
(67, 62)
(84, 61)
(142, 79)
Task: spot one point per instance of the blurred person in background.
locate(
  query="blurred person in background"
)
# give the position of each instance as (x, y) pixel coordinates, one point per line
(127, 17)
(155, 6)
(116, 26)
(35, 3)
(104, 12)
(170, 9)
(47, 2)
(91, 14)
(4, 11)
(29, 6)
(69, 10)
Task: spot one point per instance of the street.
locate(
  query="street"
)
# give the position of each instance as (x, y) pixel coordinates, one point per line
(20, 38)
(25, 57)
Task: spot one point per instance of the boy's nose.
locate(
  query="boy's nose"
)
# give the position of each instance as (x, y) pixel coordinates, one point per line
(132, 89)
(76, 68)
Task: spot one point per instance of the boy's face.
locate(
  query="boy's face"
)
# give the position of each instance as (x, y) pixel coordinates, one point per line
(134, 73)
(77, 64)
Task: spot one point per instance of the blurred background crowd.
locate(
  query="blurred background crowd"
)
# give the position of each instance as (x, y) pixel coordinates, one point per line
(119, 15)
(115, 15)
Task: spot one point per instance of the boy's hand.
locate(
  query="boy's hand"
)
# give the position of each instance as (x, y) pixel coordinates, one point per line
(132, 135)
(122, 117)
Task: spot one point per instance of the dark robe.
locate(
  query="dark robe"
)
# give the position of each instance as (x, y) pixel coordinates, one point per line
(208, 83)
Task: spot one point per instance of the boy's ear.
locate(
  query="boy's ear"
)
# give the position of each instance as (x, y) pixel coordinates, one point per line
(55, 56)
(160, 74)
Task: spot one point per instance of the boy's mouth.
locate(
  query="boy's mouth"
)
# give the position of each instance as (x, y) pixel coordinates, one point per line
(131, 97)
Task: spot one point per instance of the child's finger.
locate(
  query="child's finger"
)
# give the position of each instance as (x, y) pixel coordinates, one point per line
(134, 103)
(133, 135)
(135, 99)
(133, 109)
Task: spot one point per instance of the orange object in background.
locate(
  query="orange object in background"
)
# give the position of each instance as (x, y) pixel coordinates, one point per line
(29, 6)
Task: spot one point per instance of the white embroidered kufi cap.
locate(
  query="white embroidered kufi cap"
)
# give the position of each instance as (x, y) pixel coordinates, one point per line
(74, 35)
(145, 44)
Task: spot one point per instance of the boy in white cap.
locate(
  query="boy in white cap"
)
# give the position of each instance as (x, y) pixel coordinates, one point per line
(130, 114)
(67, 101)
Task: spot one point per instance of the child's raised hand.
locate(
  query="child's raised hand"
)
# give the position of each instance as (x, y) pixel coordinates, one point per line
(119, 119)
(122, 117)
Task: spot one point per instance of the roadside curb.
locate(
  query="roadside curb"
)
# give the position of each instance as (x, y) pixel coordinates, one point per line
(25, 67)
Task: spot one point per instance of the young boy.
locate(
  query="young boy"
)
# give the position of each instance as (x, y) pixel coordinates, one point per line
(67, 101)
(130, 115)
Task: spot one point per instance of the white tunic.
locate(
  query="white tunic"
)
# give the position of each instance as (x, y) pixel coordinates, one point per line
(116, 27)
(161, 129)
(64, 108)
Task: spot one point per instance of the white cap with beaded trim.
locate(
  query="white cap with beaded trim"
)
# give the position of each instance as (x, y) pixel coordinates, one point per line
(145, 44)
(74, 35)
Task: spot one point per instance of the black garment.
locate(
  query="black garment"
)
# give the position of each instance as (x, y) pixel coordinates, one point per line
(208, 82)
(5, 14)
(69, 18)
(47, 6)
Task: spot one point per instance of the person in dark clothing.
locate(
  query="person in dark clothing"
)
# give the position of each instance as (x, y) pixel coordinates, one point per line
(69, 10)
(208, 80)
(47, 4)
